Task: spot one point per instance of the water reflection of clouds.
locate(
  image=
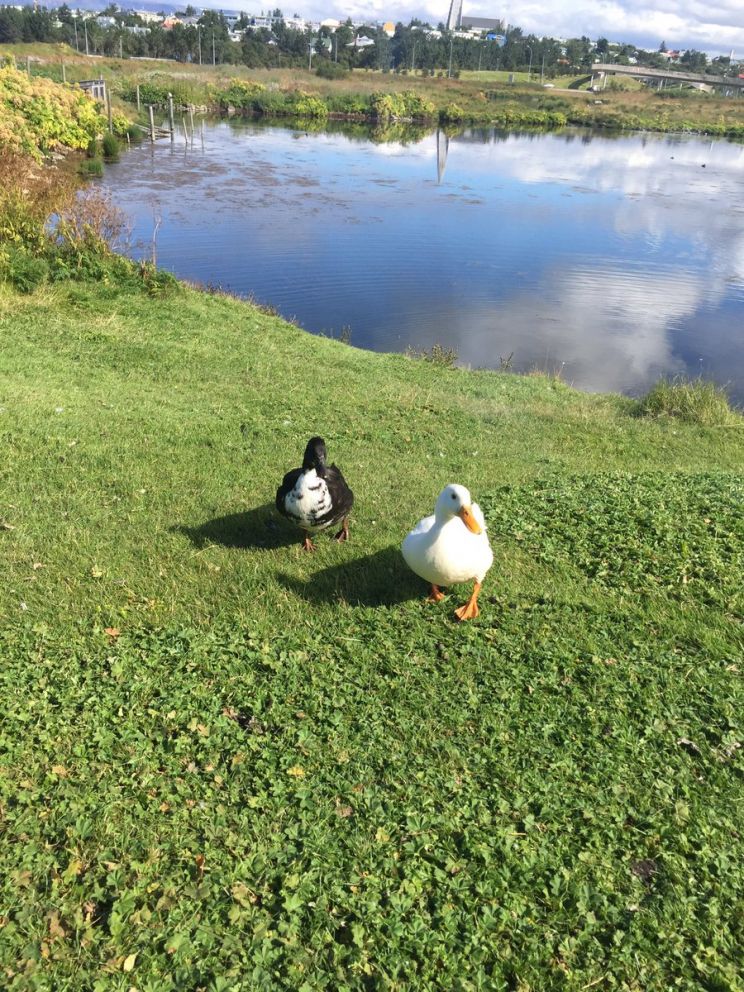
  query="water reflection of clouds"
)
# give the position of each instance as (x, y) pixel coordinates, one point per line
(609, 332)
(616, 259)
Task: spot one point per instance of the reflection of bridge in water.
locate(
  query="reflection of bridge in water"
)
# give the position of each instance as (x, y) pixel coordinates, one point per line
(697, 79)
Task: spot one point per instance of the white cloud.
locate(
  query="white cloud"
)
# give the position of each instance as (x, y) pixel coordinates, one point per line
(681, 23)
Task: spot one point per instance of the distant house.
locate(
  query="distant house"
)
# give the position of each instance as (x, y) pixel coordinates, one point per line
(106, 22)
(361, 42)
(389, 28)
(671, 55)
(480, 23)
(95, 88)
(148, 17)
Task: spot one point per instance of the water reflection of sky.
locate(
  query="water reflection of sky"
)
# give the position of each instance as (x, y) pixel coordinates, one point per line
(615, 259)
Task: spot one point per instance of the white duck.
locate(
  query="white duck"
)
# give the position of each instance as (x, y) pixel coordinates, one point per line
(451, 546)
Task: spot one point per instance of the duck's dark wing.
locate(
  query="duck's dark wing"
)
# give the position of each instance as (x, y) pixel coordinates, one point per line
(342, 498)
(288, 484)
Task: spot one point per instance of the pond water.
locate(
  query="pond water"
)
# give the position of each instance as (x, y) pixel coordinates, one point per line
(613, 260)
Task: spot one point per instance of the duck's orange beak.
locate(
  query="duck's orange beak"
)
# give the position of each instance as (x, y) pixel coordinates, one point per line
(466, 515)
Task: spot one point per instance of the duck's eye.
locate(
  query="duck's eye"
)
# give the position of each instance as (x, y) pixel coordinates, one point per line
(453, 496)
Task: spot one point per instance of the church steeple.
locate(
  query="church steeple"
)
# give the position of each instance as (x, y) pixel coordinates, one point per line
(454, 17)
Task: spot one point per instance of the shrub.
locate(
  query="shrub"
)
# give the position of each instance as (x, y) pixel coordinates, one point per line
(452, 112)
(401, 106)
(349, 103)
(331, 70)
(121, 125)
(239, 95)
(310, 106)
(92, 168)
(273, 103)
(696, 401)
(23, 270)
(38, 116)
(110, 147)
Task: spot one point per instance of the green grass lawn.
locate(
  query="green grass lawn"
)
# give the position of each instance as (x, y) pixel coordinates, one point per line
(288, 771)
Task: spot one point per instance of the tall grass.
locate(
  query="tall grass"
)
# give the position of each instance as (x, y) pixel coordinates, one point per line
(696, 401)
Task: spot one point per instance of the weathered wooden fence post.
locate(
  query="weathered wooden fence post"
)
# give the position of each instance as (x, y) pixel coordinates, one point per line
(152, 123)
(28, 64)
(64, 73)
(171, 121)
(108, 111)
(138, 99)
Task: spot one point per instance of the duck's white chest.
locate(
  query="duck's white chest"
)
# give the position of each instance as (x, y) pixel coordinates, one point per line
(309, 501)
(448, 554)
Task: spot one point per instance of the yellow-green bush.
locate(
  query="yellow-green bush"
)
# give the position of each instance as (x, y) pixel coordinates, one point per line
(38, 116)
(239, 94)
(401, 105)
(310, 106)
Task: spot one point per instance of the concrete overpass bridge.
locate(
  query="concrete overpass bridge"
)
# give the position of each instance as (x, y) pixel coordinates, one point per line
(664, 77)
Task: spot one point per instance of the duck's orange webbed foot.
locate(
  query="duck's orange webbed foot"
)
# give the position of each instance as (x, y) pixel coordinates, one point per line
(470, 610)
(307, 544)
(436, 595)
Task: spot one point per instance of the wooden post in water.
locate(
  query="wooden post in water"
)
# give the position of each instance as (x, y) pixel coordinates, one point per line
(152, 123)
(138, 99)
(170, 116)
(185, 132)
(191, 115)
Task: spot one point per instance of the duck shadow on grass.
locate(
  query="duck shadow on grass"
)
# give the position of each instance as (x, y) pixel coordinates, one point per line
(261, 527)
(379, 579)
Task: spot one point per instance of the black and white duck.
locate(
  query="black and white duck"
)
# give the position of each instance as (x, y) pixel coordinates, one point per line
(316, 496)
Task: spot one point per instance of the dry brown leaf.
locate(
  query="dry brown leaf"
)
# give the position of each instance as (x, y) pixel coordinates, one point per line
(56, 930)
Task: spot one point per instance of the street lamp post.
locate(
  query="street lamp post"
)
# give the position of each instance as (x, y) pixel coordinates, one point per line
(542, 68)
(529, 70)
(449, 70)
(309, 57)
(413, 58)
(198, 35)
(85, 28)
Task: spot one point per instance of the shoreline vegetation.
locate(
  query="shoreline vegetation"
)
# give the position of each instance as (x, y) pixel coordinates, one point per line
(229, 765)
(375, 97)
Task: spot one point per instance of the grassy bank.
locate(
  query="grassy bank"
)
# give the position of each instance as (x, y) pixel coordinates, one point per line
(478, 98)
(230, 765)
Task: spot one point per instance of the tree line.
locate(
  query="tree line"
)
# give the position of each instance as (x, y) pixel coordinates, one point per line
(413, 47)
